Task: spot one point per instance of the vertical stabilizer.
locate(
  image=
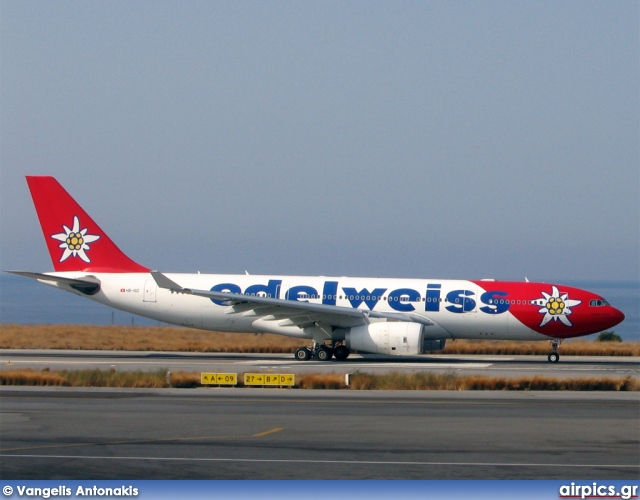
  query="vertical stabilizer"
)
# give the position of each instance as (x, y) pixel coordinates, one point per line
(74, 240)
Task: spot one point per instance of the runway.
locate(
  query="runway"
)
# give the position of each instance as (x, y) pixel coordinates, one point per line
(62, 433)
(496, 366)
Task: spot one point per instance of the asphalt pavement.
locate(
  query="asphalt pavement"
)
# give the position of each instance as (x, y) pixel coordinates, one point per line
(207, 433)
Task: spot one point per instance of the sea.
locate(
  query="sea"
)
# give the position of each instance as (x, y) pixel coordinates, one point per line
(26, 301)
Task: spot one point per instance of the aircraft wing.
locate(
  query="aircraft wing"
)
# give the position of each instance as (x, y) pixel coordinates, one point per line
(295, 313)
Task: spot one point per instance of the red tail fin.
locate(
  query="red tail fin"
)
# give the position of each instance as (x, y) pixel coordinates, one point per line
(75, 241)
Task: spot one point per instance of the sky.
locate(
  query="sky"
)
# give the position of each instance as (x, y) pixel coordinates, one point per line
(426, 139)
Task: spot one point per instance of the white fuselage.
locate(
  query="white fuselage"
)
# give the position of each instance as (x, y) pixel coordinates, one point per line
(454, 307)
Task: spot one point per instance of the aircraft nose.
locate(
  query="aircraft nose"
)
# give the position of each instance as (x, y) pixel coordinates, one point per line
(604, 318)
(617, 316)
(612, 317)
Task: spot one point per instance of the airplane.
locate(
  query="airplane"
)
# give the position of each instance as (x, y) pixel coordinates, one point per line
(338, 315)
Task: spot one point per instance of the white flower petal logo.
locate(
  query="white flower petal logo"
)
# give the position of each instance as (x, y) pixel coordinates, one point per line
(556, 307)
(74, 241)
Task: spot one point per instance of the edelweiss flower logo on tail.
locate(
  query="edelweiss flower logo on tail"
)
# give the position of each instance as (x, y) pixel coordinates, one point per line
(556, 307)
(75, 241)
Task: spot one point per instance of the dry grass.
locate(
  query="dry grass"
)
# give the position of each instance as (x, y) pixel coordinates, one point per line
(184, 380)
(544, 383)
(405, 381)
(32, 377)
(135, 338)
(451, 381)
(98, 378)
(358, 381)
(320, 381)
(569, 348)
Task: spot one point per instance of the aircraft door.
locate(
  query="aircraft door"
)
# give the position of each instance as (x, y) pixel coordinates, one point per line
(470, 301)
(150, 288)
(463, 301)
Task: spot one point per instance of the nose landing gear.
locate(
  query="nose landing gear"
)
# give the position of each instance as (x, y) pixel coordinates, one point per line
(553, 356)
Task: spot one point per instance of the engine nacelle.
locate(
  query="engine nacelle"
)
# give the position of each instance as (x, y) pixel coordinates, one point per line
(395, 338)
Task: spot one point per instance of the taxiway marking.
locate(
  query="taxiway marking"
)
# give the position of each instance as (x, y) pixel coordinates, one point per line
(141, 441)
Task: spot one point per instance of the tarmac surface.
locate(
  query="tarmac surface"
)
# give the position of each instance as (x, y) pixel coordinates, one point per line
(495, 365)
(212, 433)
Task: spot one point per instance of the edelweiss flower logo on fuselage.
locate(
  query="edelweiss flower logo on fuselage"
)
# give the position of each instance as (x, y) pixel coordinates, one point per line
(556, 307)
(74, 241)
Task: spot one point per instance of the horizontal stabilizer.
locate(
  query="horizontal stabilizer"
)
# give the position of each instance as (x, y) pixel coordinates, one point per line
(87, 285)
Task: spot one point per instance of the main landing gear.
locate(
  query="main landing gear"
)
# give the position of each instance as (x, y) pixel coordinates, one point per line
(322, 352)
(554, 357)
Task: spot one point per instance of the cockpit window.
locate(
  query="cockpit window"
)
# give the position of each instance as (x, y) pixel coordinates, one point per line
(598, 303)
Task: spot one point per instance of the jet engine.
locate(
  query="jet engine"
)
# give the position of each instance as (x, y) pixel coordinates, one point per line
(395, 338)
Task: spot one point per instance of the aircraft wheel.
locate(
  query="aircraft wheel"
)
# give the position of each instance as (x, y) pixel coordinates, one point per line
(553, 357)
(341, 352)
(303, 354)
(324, 354)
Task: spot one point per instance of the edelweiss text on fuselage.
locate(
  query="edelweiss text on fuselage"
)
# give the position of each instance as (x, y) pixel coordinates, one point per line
(400, 299)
